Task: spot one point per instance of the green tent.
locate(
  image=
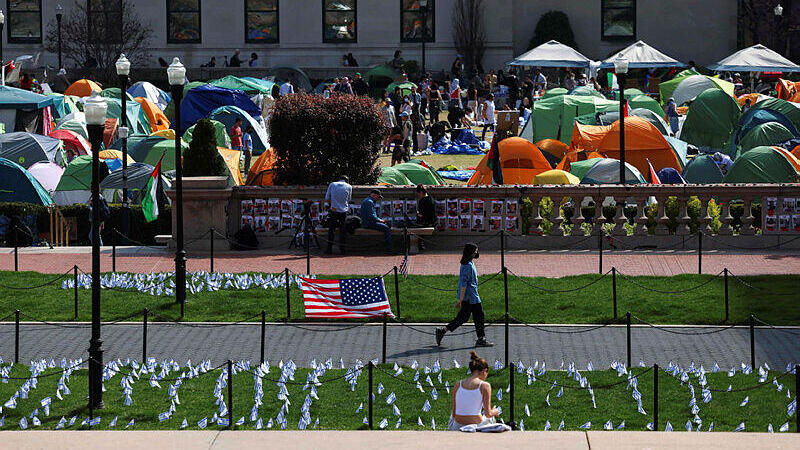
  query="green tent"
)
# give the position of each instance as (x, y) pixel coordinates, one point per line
(379, 77)
(555, 92)
(645, 102)
(585, 91)
(788, 109)
(137, 119)
(579, 168)
(392, 176)
(666, 88)
(762, 165)
(64, 104)
(703, 170)
(711, 120)
(439, 179)
(150, 150)
(241, 84)
(76, 183)
(765, 134)
(114, 93)
(417, 174)
(405, 87)
(18, 185)
(133, 140)
(223, 140)
(76, 126)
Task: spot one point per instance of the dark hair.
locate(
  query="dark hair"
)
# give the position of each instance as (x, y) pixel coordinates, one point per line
(476, 363)
(344, 178)
(469, 253)
(421, 188)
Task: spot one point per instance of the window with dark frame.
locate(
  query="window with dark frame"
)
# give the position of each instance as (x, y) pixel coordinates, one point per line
(261, 21)
(339, 21)
(618, 19)
(24, 21)
(105, 20)
(184, 22)
(411, 20)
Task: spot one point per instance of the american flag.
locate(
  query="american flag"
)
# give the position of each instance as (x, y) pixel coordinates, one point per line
(343, 299)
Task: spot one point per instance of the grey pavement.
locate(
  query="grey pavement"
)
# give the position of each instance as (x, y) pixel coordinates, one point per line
(305, 342)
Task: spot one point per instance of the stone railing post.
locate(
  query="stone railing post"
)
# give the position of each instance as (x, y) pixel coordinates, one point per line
(619, 217)
(747, 218)
(556, 217)
(536, 216)
(599, 218)
(641, 217)
(725, 217)
(577, 216)
(683, 216)
(662, 220)
(704, 219)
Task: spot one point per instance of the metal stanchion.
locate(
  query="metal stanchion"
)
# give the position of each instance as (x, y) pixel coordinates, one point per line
(230, 394)
(628, 335)
(727, 310)
(307, 239)
(114, 254)
(699, 252)
(797, 396)
(211, 251)
(511, 372)
(505, 291)
(614, 289)
(16, 336)
(502, 249)
(144, 335)
(16, 249)
(288, 295)
(370, 395)
(263, 332)
(752, 342)
(600, 250)
(397, 291)
(655, 397)
(75, 288)
(383, 348)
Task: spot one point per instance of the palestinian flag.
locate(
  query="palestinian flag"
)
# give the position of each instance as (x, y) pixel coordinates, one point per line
(150, 198)
(653, 175)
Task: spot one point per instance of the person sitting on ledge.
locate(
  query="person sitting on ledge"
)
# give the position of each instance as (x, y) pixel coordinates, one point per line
(370, 219)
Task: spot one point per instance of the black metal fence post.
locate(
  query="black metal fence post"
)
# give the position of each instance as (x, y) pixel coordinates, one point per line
(655, 397)
(628, 335)
(600, 250)
(288, 295)
(369, 395)
(502, 249)
(511, 372)
(211, 251)
(230, 394)
(263, 332)
(307, 238)
(16, 336)
(144, 335)
(725, 273)
(505, 291)
(16, 249)
(75, 289)
(699, 252)
(397, 292)
(797, 396)
(114, 254)
(752, 342)
(383, 348)
(614, 289)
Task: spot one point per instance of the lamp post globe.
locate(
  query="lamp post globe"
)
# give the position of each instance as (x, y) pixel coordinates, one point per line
(621, 68)
(778, 10)
(123, 67)
(95, 110)
(176, 74)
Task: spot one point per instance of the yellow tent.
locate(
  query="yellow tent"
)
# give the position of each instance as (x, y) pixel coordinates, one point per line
(556, 177)
(166, 134)
(232, 158)
(113, 154)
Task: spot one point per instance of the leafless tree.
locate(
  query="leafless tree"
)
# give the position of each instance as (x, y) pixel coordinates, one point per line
(469, 33)
(758, 21)
(101, 39)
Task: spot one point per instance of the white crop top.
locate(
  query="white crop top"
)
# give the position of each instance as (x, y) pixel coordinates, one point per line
(469, 401)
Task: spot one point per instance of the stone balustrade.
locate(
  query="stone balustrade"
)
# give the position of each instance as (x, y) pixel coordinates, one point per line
(631, 217)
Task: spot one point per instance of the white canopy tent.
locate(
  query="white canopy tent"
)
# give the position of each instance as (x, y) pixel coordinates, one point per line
(755, 59)
(642, 56)
(552, 54)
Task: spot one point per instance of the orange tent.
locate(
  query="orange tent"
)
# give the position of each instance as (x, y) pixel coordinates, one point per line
(520, 161)
(262, 172)
(788, 90)
(790, 156)
(158, 121)
(796, 152)
(83, 88)
(554, 147)
(753, 99)
(109, 132)
(643, 142)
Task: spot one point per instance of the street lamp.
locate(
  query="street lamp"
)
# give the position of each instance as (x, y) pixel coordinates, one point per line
(778, 18)
(59, 16)
(2, 25)
(95, 111)
(423, 8)
(123, 70)
(621, 68)
(176, 74)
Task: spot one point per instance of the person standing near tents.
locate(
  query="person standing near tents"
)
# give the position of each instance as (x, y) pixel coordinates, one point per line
(672, 116)
(235, 60)
(489, 120)
(360, 86)
(400, 154)
(469, 302)
(434, 103)
(247, 148)
(236, 135)
(287, 88)
(339, 195)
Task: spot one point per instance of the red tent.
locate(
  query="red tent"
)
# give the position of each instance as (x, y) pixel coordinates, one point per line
(72, 141)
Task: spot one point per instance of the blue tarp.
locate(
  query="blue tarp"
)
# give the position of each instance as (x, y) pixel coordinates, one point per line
(227, 116)
(465, 136)
(202, 100)
(459, 175)
(790, 144)
(13, 98)
(447, 147)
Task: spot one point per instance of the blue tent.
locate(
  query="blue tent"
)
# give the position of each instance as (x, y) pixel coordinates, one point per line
(202, 100)
(150, 92)
(755, 117)
(13, 98)
(668, 175)
(227, 115)
(18, 185)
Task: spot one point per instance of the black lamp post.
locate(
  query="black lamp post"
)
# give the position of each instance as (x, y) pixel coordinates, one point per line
(423, 8)
(621, 68)
(176, 74)
(59, 16)
(2, 61)
(123, 70)
(779, 21)
(95, 110)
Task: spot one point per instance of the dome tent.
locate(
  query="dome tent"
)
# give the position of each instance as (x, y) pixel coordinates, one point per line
(227, 115)
(139, 175)
(262, 171)
(76, 182)
(47, 174)
(765, 134)
(606, 171)
(419, 173)
(393, 177)
(27, 149)
(72, 141)
(711, 120)
(147, 90)
(17, 185)
(83, 88)
(202, 100)
(555, 177)
(223, 140)
(687, 88)
(764, 165)
(703, 170)
(520, 161)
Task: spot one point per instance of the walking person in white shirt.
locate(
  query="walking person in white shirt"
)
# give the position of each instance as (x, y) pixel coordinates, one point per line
(489, 120)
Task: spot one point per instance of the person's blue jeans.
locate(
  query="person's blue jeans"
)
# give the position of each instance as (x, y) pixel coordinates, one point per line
(387, 233)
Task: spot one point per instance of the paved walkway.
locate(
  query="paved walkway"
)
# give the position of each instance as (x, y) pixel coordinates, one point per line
(303, 343)
(346, 440)
(524, 263)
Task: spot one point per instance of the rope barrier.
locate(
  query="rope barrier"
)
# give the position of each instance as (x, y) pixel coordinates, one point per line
(297, 383)
(766, 291)
(775, 328)
(682, 291)
(26, 288)
(667, 330)
(541, 247)
(738, 247)
(350, 327)
(245, 246)
(580, 288)
(539, 328)
(486, 325)
(209, 325)
(480, 283)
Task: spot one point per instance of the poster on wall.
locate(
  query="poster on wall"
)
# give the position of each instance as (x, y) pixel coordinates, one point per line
(247, 207)
(496, 207)
(441, 222)
(495, 223)
(477, 223)
(247, 221)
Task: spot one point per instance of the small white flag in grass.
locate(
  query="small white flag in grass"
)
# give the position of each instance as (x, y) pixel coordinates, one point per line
(770, 429)
(383, 423)
(621, 426)
(561, 425)
(184, 424)
(23, 423)
(259, 424)
(740, 427)
(784, 428)
(150, 198)
(433, 423)
(202, 423)
(668, 427)
(527, 410)
(522, 424)
(711, 427)
(419, 421)
(61, 423)
(396, 425)
(608, 426)
(744, 402)
(547, 425)
(113, 422)
(586, 426)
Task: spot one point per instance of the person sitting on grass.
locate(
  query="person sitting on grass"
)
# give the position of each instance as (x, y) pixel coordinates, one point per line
(471, 396)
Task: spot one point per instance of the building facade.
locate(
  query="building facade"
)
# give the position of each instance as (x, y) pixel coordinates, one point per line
(317, 33)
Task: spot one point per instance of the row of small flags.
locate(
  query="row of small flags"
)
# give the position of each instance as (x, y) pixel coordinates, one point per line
(154, 374)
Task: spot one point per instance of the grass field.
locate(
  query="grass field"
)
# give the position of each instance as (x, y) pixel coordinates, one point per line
(420, 302)
(337, 405)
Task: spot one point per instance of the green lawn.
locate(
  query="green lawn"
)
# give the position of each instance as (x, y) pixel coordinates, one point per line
(337, 404)
(420, 303)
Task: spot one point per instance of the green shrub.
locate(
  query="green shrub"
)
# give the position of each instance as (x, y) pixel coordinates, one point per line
(317, 140)
(553, 25)
(202, 157)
